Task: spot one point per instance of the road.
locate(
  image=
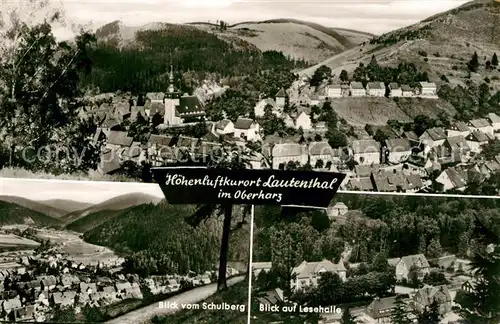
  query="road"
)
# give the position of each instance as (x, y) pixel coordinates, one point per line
(145, 314)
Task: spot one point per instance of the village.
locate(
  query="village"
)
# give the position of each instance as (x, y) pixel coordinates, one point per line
(36, 283)
(455, 271)
(439, 160)
(419, 280)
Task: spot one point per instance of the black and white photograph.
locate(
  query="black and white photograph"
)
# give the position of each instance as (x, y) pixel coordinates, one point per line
(74, 251)
(395, 105)
(401, 96)
(378, 259)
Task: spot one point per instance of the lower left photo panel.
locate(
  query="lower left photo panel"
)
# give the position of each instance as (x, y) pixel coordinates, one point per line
(77, 251)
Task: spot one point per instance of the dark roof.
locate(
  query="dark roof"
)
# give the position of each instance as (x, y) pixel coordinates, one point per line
(387, 181)
(110, 123)
(457, 143)
(405, 87)
(357, 85)
(436, 133)
(190, 105)
(362, 184)
(162, 140)
(365, 170)
(157, 108)
(394, 86)
(460, 126)
(481, 122)
(411, 135)
(136, 111)
(381, 307)
(119, 138)
(281, 93)
(222, 124)
(478, 136)
(457, 177)
(243, 123)
(376, 85)
(398, 145)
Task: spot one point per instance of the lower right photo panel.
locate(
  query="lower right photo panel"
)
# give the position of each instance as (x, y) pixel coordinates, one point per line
(372, 258)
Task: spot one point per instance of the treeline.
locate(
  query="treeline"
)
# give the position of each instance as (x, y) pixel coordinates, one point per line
(144, 67)
(396, 37)
(395, 225)
(158, 240)
(404, 73)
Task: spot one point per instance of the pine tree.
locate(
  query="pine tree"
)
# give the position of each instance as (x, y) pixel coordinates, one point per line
(474, 63)
(430, 315)
(494, 60)
(398, 315)
(347, 317)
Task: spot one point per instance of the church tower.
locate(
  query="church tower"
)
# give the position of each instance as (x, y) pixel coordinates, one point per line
(172, 101)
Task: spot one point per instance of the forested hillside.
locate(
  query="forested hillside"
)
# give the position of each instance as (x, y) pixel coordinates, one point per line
(11, 214)
(158, 240)
(396, 225)
(142, 66)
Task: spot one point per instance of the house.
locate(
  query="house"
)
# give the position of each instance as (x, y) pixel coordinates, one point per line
(428, 89)
(155, 96)
(406, 91)
(87, 288)
(247, 128)
(453, 179)
(315, 99)
(137, 112)
(361, 184)
(42, 298)
(376, 89)
(394, 181)
(121, 286)
(395, 90)
(303, 120)
(427, 295)
(339, 209)
(118, 139)
(289, 152)
(320, 151)
(469, 286)
(398, 150)
(258, 267)
(108, 125)
(357, 89)
(281, 98)
(477, 139)
(69, 280)
(173, 285)
(308, 273)
(48, 283)
(366, 152)
(481, 125)
(380, 309)
(494, 120)
(224, 127)
(260, 107)
(408, 263)
(458, 128)
(454, 150)
(25, 314)
(11, 304)
(433, 137)
(334, 91)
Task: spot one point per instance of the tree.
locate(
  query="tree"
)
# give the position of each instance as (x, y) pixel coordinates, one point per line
(344, 76)
(336, 138)
(399, 312)
(347, 317)
(430, 315)
(380, 136)
(319, 75)
(494, 60)
(473, 64)
(63, 315)
(92, 315)
(434, 249)
(486, 266)
(41, 84)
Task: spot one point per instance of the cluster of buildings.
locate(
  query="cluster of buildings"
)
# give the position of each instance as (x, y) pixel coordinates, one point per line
(379, 89)
(33, 285)
(379, 310)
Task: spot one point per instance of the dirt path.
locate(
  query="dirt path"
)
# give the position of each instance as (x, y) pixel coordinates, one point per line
(144, 315)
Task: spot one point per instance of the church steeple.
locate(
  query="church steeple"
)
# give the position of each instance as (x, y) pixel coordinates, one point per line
(171, 79)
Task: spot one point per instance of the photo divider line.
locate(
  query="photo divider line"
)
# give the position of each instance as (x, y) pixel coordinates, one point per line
(250, 267)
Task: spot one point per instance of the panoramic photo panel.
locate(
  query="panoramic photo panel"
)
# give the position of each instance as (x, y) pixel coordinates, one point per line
(371, 258)
(81, 251)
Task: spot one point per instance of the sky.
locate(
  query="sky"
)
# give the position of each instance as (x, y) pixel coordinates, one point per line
(375, 16)
(83, 191)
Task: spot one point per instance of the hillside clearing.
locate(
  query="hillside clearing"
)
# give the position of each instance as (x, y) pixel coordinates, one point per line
(375, 111)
